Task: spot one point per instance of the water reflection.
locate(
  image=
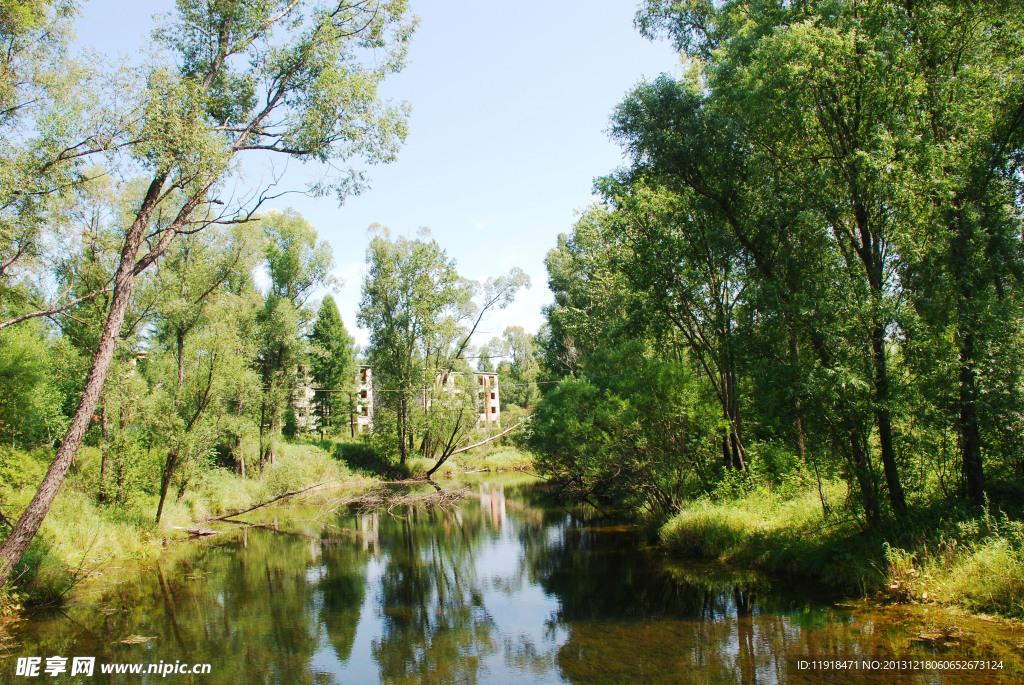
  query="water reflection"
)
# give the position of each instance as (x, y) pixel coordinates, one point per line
(501, 589)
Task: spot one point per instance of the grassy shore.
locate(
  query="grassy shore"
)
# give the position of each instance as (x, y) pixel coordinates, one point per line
(481, 459)
(969, 558)
(80, 536)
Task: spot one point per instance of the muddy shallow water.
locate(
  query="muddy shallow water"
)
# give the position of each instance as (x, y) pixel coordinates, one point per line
(502, 588)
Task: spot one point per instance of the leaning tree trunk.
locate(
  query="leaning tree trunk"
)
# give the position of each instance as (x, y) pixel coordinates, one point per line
(27, 526)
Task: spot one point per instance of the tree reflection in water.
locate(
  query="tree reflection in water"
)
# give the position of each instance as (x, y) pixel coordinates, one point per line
(503, 588)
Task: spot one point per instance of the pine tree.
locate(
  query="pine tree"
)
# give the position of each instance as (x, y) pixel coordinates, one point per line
(332, 366)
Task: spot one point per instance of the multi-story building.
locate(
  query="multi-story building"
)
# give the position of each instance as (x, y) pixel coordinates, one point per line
(362, 419)
(302, 402)
(488, 401)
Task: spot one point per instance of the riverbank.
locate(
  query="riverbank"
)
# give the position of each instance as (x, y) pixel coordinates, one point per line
(968, 558)
(81, 535)
(479, 460)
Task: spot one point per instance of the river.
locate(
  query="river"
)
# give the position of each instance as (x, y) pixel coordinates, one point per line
(504, 587)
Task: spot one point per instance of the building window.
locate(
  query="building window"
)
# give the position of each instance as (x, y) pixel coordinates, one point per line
(494, 410)
(494, 395)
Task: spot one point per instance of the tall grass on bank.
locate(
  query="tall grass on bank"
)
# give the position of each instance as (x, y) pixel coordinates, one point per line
(777, 532)
(978, 565)
(972, 560)
(80, 536)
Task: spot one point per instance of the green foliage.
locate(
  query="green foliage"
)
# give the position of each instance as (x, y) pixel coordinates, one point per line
(30, 399)
(82, 533)
(637, 430)
(298, 264)
(519, 369)
(412, 298)
(781, 533)
(332, 367)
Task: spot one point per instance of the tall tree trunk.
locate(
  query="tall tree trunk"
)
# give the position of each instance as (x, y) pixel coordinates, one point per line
(27, 526)
(180, 335)
(973, 483)
(733, 451)
(165, 481)
(403, 427)
(798, 422)
(865, 478)
(970, 438)
(263, 425)
(102, 495)
(883, 419)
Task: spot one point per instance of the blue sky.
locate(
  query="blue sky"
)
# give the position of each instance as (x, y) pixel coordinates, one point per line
(510, 107)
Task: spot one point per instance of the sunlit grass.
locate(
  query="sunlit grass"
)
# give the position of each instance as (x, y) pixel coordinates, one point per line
(979, 566)
(975, 561)
(81, 536)
(784, 533)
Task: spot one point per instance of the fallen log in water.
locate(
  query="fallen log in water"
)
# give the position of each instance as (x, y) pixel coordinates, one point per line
(387, 498)
(201, 532)
(381, 497)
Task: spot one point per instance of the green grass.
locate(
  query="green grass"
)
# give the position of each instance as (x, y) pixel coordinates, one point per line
(979, 566)
(80, 536)
(777, 532)
(945, 555)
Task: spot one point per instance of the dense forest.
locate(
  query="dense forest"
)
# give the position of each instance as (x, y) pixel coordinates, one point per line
(809, 271)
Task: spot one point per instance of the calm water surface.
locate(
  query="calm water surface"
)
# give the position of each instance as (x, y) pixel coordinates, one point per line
(503, 588)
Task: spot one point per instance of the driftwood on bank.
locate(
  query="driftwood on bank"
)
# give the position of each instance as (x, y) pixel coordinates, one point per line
(199, 532)
(379, 497)
(290, 493)
(385, 498)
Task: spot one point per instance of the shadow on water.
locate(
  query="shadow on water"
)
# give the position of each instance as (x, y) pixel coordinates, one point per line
(501, 588)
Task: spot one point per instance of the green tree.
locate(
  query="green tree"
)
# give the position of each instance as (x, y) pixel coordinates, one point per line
(298, 264)
(409, 294)
(193, 280)
(519, 367)
(305, 92)
(483, 362)
(333, 367)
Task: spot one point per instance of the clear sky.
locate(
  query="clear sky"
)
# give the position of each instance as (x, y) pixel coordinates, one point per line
(510, 108)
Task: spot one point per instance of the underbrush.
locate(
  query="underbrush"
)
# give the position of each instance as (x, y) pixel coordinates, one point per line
(976, 563)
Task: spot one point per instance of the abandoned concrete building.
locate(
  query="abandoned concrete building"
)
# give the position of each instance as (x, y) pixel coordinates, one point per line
(489, 403)
(361, 419)
(486, 383)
